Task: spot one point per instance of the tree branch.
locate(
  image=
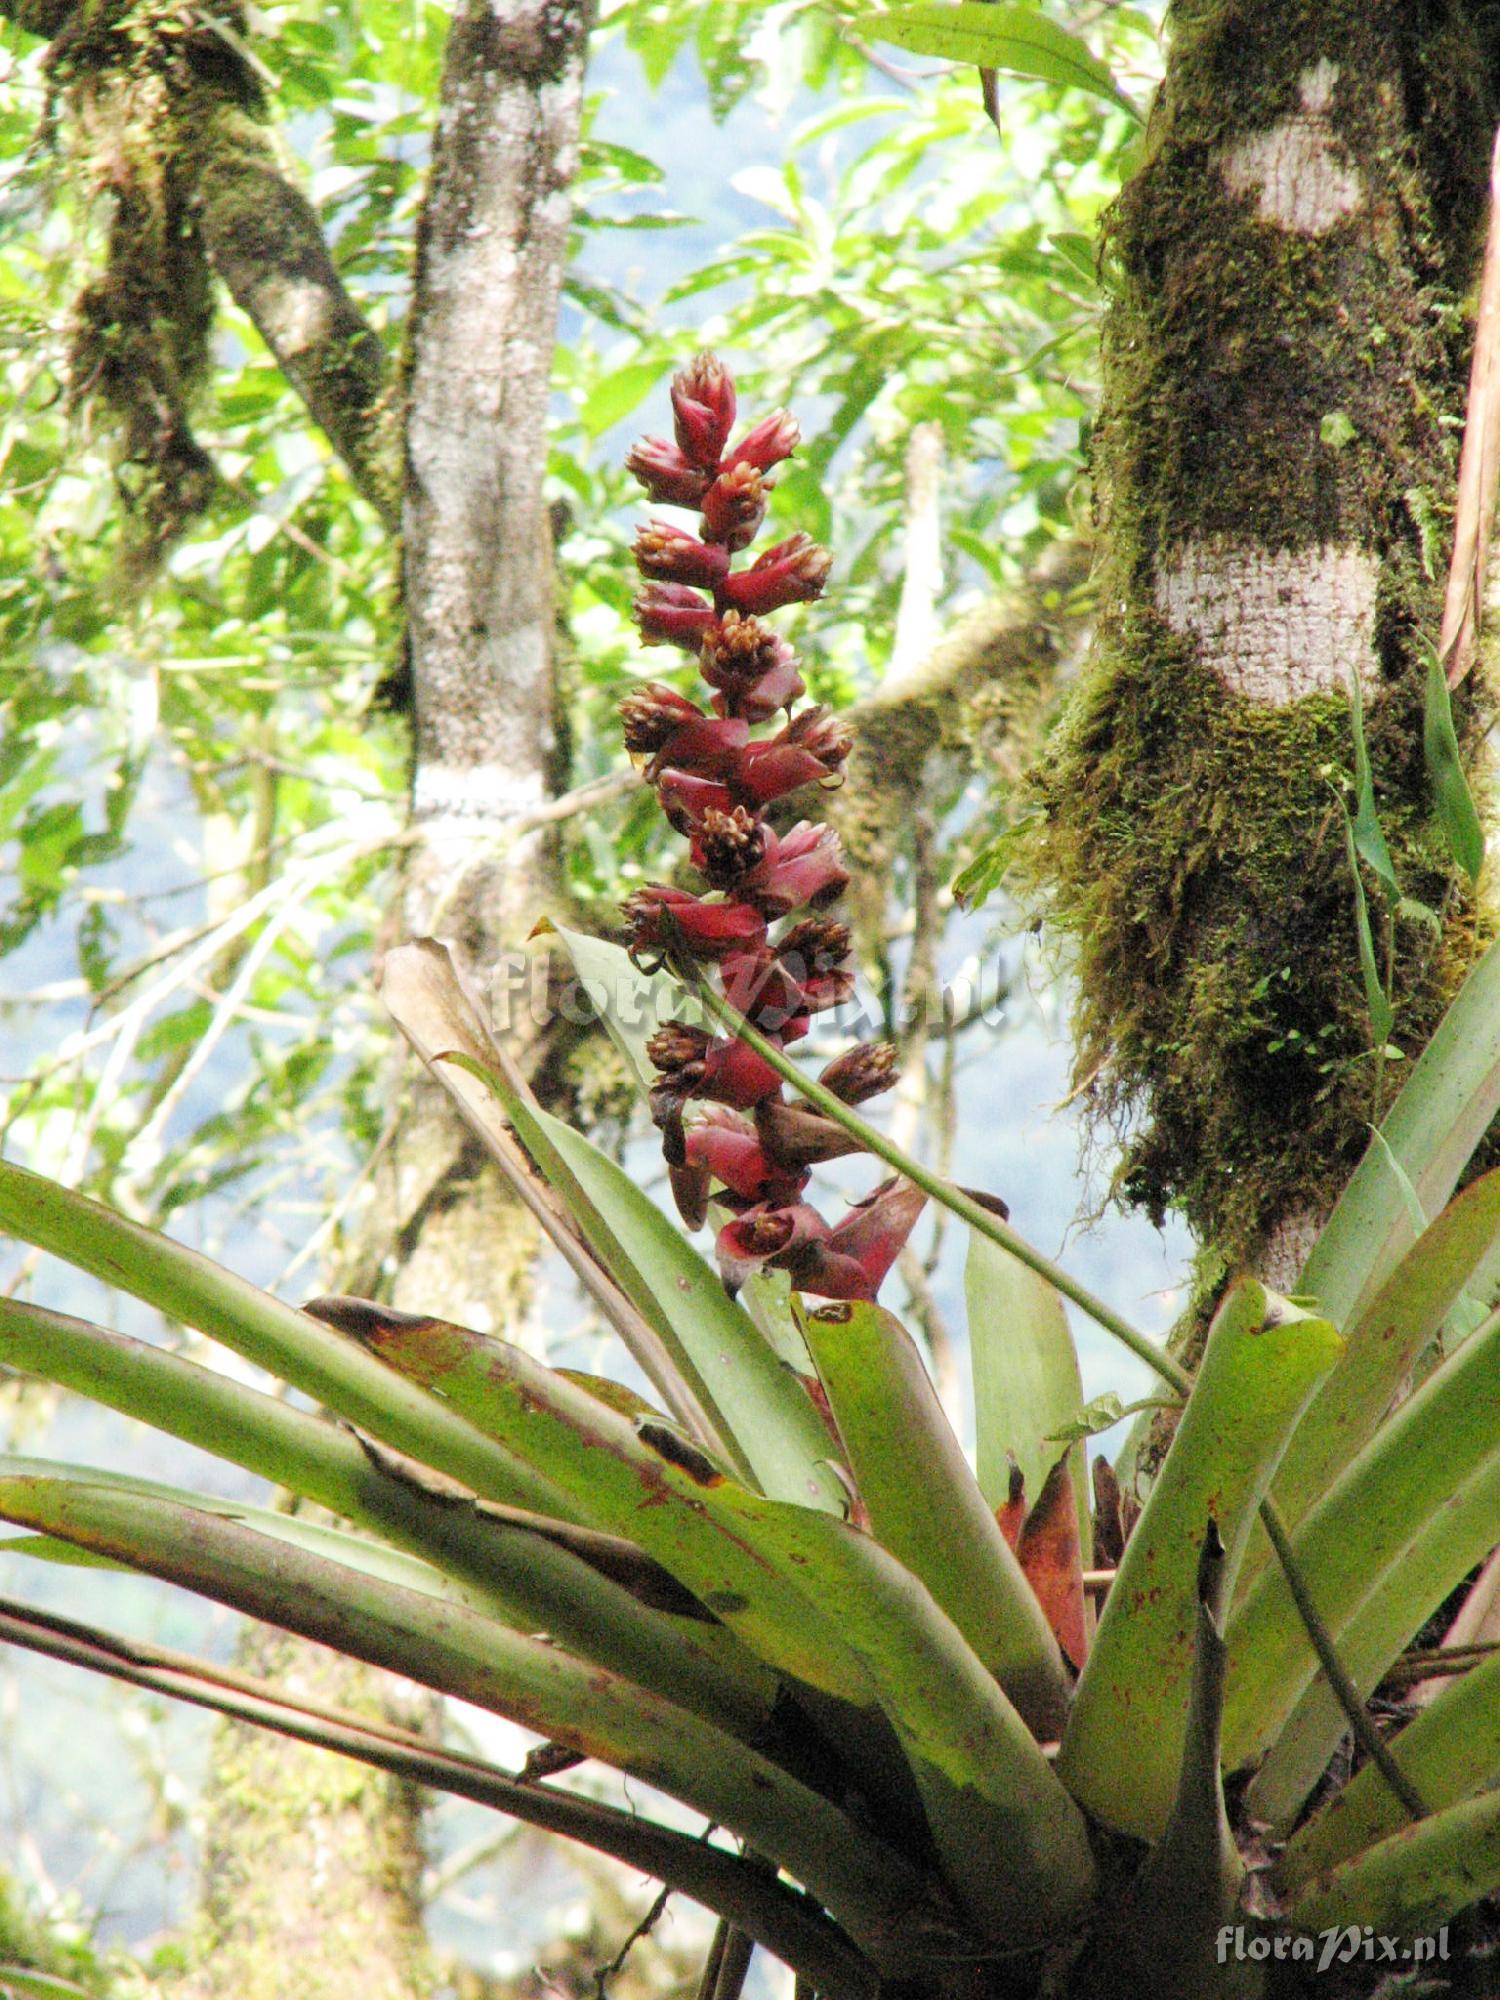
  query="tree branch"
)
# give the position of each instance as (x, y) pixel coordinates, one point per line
(264, 240)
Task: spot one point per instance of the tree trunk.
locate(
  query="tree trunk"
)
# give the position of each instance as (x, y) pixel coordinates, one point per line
(442, 1235)
(1285, 368)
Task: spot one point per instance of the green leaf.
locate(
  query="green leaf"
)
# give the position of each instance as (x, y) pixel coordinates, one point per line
(1027, 1388)
(1445, 1108)
(613, 399)
(1382, 1344)
(185, 1285)
(1457, 814)
(1103, 1413)
(1449, 1750)
(1445, 1548)
(631, 1004)
(1369, 835)
(27, 1982)
(1412, 1884)
(1164, 1940)
(1382, 1014)
(447, 1647)
(1123, 1749)
(47, 1548)
(531, 1572)
(815, 1597)
(1014, 39)
(925, 1506)
(1443, 1435)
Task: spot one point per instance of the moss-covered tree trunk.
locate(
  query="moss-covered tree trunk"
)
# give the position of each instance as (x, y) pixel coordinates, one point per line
(313, 1864)
(1285, 371)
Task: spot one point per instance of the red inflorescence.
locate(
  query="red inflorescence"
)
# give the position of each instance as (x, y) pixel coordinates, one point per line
(745, 1145)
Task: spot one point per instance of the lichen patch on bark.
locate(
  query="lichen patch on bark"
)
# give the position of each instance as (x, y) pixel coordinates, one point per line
(1275, 624)
(1302, 177)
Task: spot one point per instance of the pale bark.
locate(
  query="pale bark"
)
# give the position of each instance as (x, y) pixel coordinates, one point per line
(441, 1234)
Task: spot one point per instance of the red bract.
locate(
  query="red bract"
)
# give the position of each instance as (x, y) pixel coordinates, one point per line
(671, 555)
(772, 993)
(847, 1262)
(810, 750)
(803, 866)
(754, 668)
(766, 1236)
(734, 1074)
(667, 474)
(651, 713)
(669, 614)
(767, 443)
(734, 507)
(706, 747)
(662, 918)
(703, 409)
(731, 1151)
(686, 799)
(793, 572)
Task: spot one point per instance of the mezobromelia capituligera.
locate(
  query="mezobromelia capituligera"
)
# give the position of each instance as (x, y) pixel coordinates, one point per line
(728, 1129)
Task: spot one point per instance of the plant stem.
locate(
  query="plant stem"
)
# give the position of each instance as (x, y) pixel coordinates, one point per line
(942, 1192)
(1346, 1693)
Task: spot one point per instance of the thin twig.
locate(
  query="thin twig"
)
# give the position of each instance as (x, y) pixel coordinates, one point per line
(1366, 1735)
(603, 1974)
(1479, 462)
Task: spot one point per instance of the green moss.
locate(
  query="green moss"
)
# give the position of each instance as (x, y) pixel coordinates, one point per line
(1191, 846)
(142, 85)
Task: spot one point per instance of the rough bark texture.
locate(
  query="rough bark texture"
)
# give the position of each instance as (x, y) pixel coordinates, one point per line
(481, 608)
(1284, 371)
(441, 1235)
(311, 1862)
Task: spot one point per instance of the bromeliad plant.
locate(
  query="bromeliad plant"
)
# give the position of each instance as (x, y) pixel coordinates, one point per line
(774, 1589)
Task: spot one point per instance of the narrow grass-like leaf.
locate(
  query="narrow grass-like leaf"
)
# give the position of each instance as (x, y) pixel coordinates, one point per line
(1027, 1388)
(188, 1286)
(1369, 834)
(536, 1574)
(817, 1599)
(1449, 1750)
(459, 1653)
(1382, 1014)
(1445, 1108)
(1445, 1434)
(1410, 1885)
(925, 1506)
(1123, 1749)
(1449, 1542)
(1017, 40)
(1457, 814)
